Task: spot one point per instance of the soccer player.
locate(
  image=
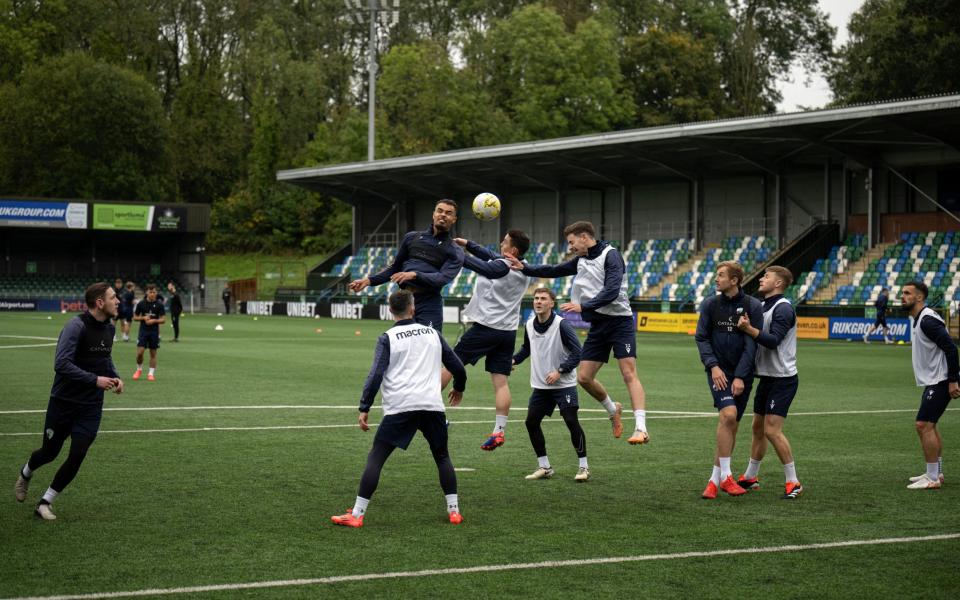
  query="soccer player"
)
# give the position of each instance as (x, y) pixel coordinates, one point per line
(150, 313)
(84, 370)
(494, 310)
(425, 262)
(936, 368)
(126, 309)
(599, 294)
(406, 371)
(881, 323)
(554, 350)
(777, 370)
(176, 308)
(728, 358)
(117, 290)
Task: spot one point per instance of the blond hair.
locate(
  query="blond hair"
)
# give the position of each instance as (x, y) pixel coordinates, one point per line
(734, 269)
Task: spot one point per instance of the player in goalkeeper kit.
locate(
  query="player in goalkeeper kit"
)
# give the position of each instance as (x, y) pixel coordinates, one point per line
(406, 371)
(84, 370)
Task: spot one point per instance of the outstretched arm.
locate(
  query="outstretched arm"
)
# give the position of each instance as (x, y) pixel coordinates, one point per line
(381, 360)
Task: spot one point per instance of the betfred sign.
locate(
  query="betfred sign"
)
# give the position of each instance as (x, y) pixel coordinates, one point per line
(850, 328)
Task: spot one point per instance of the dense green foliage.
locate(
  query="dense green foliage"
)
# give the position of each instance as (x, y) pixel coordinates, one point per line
(242, 490)
(203, 100)
(898, 49)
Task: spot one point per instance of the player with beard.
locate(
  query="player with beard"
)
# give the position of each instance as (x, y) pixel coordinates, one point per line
(425, 262)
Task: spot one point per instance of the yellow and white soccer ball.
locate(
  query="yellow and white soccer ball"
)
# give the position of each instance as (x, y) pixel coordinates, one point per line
(486, 206)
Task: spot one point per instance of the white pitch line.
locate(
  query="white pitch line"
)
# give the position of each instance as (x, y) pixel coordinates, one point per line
(28, 346)
(269, 427)
(548, 564)
(319, 407)
(29, 337)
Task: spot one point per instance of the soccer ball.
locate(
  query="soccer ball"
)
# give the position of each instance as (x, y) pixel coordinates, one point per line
(486, 206)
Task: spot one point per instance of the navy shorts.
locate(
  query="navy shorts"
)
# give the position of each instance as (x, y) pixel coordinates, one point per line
(494, 344)
(934, 402)
(724, 398)
(616, 333)
(547, 400)
(398, 429)
(148, 339)
(125, 315)
(774, 395)
(428, 311)
(78, 419)
(881, 321)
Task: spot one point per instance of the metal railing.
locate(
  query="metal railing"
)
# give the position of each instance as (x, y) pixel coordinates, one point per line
(381, 239)
(663, 230)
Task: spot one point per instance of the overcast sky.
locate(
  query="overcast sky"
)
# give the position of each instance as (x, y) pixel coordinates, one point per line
(816, 93)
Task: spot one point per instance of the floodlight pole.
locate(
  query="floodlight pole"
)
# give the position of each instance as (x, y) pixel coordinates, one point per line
(372, 80)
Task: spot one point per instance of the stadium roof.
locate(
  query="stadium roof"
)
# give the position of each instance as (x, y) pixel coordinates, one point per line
(920, 131)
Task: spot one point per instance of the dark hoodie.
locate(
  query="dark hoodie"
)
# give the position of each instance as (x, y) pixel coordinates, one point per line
(720, 342)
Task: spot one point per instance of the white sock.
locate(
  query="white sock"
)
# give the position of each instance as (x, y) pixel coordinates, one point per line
(151, 371)
(641, 417)
(724, 467)
(790, 472)
(126, 337)
(715, 476)
(544, 462)
(453, 504)
(753, 469)
(501, 424)
(933, 471)
(583, 463)
(50, 495)
(139, 368)
(26, 471)
(609, 405)
(360, 506)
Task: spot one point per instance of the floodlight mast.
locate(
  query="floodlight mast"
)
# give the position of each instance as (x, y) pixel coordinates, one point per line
(389, 12)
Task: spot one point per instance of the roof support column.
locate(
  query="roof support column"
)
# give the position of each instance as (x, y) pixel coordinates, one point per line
(626, 216)
(844, 200)
(357, 217)
(873, 212)
(779, 208)
(560, 206)
(695, 211)
(827, 189)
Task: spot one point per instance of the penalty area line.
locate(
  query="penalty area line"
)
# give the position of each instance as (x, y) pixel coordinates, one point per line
(550, 564)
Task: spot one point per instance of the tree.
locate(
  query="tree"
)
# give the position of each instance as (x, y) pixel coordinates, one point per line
(554, 83)
(770, 36)
(75, 127)
(897, 49)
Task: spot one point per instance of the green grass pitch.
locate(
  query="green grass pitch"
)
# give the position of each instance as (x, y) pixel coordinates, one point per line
(241, 491)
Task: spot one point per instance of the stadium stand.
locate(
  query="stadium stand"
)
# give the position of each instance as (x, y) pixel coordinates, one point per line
(695, 283)
(808, 283)
(35, 286)
(929, 256)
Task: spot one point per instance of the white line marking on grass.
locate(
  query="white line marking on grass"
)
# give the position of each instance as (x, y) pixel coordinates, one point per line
(271, 427)
(28, 346)
(548, 564)
(29, 337)
(321, 407)
(353, 425)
